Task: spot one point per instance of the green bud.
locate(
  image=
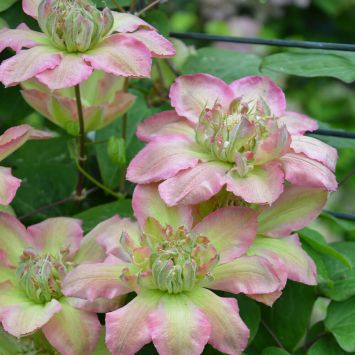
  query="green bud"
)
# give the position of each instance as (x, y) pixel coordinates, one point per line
(116, 149)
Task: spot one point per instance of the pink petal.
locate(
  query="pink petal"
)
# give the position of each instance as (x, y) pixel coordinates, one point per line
(263, 184)
(267, 298)
(229, 333)
(20, 316)
(100, 305)
(165, 124)
(27, 64)
(192, 186)
(8, 186)
(121, 55)
(191, 94)
(124, 22)
(296, 208)
(231, 230)
(30, 7)
(260, 87)
(57, 233)
(303, 171)
(158, 45)
(296, 123)
(127, 329)
(73, 331)
(247, 274)
(93, 281)
(178, 327)
(71, 71)
(161, 160)
(315, 149)
(38, 100)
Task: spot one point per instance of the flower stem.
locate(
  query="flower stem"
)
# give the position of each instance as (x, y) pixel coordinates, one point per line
(124, 136)
(119, 7)
(133, 6)
(148, 7)
(82, 156)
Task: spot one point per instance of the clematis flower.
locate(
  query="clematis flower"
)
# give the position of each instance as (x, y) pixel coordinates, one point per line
(33, 263)
(77, 38)
(238, 136)
(11, 140)
(173, 266)
(103, 101)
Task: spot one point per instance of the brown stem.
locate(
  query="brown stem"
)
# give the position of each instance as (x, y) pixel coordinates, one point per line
(133, 6)
(119, 7)
(148, 7)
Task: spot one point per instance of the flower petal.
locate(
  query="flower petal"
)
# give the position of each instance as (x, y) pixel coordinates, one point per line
(71, 71)
(20, 316)
(300, 267)
(93, 281)
(296, 123)
(260, 87)
(124, 22)
(231, 230)
(8, 186)
(247, 274)
(100, 305)
(38, 100)
(263, 184)
(178, 327)
(161, 160)
(127, 328)
(30, 7)
(303, 171)
(121, 55)
(192, 186)
(229, 333)
(73, 331)
(191, 94)
(315, 149)
(163, 124)
(146, 203)
(54, 234)
(294, 209)
(27, 64)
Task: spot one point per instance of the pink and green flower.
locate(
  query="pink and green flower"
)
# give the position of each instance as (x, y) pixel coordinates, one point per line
(237, 136)
(76, 39)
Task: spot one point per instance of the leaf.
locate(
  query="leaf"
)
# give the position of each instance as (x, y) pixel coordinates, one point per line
(5, 4)
(348, 226)
(336, 142)
(273, 350)
(318, 243)
(326, 345)
(313, 63)
(340, 322)
(97, 214)
(112, 4)
(226, 64)
(159, 20)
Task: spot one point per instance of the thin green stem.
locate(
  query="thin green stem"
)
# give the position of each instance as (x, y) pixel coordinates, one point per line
(273, 335)
(119, 7)
(148, 7)
(124, 136)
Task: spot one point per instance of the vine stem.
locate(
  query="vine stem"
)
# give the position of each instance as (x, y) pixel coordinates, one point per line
(124, 136)
(140, 13)
(82, 156)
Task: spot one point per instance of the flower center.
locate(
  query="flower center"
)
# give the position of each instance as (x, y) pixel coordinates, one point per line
(74, 25)
(40, 276)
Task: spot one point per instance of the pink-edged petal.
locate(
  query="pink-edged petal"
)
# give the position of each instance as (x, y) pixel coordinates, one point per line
(231, 230)
(296, 123)
(161, 160)
(263, 184)
(158, 45)
(253, 88)
(195, 185)
(38, 100)
(57, 233)
(93, 281)
(247, 274)
(300, 267)
(315, 149)
(8, 186)
(73, 331)
(121, 55)
(124, 22)
(229, 334)
(191, 94)
(27, 64)
(100, 305)
(147, 202)
(267, 298)
(294, 209)
(13, 237)
(127, 329)
(20, 316)
(303, 171)
(178, 327)
(71, 71)
(30, 7)
(164, 124)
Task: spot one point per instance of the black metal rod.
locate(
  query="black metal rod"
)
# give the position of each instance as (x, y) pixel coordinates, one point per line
(266, 42)
(346, 216)
(333, 133)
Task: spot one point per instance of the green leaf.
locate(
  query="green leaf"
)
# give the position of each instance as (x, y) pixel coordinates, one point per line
(313, 63)
(97, 214)
(318, 243)
(348, 226)
(5, 4)
(273, 350)
(340, 322)
(111, 3)
(336, 142)
(159, 20)
(226, 64)
(326, 345)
